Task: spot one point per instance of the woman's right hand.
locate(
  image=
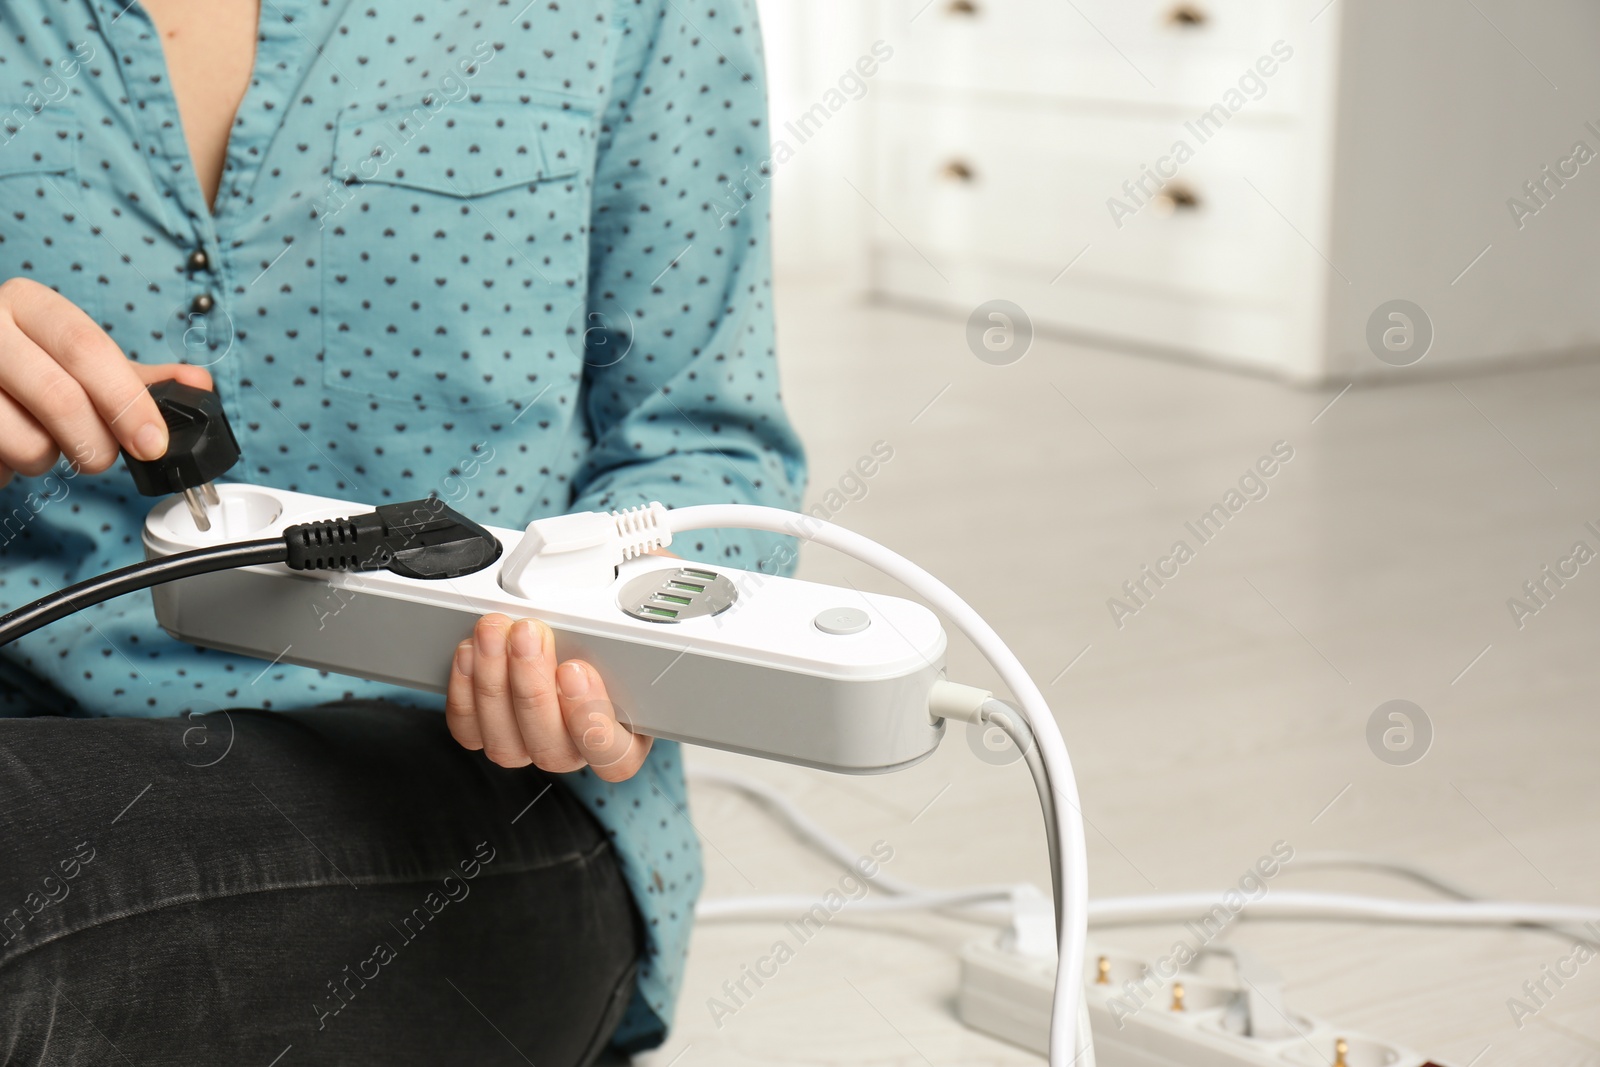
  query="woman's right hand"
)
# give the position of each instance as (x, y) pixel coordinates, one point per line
(66, 389)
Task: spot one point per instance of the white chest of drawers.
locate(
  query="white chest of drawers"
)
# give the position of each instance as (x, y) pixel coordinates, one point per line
(1244, 181)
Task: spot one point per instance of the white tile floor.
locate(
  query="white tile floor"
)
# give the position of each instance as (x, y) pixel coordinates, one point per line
(1231, 710)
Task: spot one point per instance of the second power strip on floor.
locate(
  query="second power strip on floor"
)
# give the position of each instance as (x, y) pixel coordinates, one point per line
(1141, 1020)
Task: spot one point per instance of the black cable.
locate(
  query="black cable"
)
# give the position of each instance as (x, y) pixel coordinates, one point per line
(421, 539)
(59, 605)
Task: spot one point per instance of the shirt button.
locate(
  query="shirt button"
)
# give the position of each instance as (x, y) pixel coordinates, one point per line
(202, 304)
(198, 260)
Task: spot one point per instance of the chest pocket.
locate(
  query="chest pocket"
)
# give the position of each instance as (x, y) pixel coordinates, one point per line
(455, 249)
(42, 234)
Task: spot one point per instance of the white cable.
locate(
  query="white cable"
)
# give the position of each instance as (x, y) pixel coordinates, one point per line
(1151, 908)
(1301, 904)
(1384, 865)
(1000, 714)
(803, 825)
(907, 896)
(1433, 880)
(789, 905)
(1178, 907)
(835, 848)
(1070, 873)
(912, 897)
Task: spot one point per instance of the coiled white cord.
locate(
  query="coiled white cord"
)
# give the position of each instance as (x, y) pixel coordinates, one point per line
(1069, 871)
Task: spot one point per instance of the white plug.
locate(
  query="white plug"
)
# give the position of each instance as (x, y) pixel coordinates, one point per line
(952, 700)
(1033, 924)
(582, 550)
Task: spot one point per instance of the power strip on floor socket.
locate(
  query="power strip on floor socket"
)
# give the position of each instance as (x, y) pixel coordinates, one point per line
(1007, 995)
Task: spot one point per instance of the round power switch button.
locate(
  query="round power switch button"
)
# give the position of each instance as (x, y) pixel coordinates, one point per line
(841, 621)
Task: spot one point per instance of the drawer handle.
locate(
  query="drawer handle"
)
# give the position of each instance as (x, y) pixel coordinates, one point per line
(962, 7)
(1177, 197)
(959, 170)
(1187, 16)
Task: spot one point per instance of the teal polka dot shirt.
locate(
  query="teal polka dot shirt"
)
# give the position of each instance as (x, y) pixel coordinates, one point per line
(515, 254)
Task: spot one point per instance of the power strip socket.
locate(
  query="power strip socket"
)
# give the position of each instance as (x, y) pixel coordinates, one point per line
(1007, 995)
(774, 667)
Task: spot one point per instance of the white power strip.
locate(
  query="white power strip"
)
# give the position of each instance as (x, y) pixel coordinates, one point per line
(1007, 995)
(767, 666)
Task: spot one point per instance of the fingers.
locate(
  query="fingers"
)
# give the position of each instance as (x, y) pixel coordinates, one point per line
(459, 714)
(507, 697)
(25, 447)
(614, 751)
(534, 700)
(86, 354)
(56, 403)
(69, 388)
(491, 694)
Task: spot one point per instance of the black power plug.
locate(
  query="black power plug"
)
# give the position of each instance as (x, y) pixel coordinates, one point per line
(424, 539)
(201, 448)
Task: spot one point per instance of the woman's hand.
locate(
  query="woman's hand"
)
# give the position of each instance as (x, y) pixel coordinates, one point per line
(510, 698)
(67, 389)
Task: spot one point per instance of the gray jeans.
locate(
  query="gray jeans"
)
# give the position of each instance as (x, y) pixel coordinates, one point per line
(341, 885)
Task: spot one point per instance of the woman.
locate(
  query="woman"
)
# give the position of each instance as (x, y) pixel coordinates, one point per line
(463, 249)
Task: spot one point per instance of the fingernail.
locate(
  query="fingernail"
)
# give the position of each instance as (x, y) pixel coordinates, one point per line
(464, 659)
(524, 643)
(491, 641)
(151, 441)
(573, 680)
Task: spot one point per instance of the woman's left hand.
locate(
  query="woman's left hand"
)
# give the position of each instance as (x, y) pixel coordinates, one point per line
(509, 697)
